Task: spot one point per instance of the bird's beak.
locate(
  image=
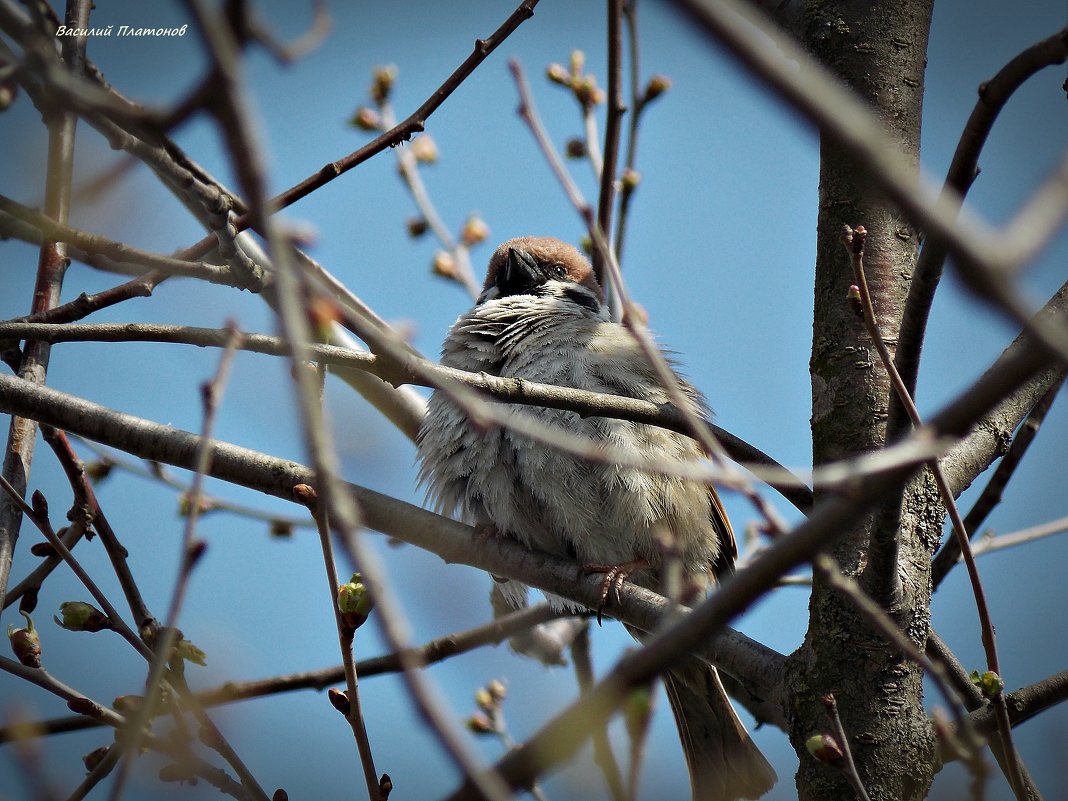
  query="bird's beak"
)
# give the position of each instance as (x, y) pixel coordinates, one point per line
(520, 274)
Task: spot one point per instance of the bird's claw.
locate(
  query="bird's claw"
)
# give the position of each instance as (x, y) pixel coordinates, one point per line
(615, 576)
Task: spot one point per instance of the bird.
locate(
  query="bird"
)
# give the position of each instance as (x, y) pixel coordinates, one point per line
(542, 316)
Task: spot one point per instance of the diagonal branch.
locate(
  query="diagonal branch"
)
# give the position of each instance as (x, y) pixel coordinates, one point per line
(986, 259)
(990, 497)
(451, 541)
(963, 170)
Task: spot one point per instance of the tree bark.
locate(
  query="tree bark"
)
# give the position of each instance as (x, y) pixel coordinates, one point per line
(880, 50)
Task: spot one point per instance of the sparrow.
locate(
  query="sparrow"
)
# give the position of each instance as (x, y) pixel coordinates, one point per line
(542, 317)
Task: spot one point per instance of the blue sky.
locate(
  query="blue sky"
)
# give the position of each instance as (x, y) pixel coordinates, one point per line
(719, 160)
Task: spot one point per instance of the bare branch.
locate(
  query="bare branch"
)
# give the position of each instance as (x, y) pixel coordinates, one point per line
(436, 650)
(613, 124)
(963, 169)
(106, 254)
(432, 374)
(949, 554)
(32, 364)
(986, 259)
(1026, 702)
(450, 540)
(849, 766)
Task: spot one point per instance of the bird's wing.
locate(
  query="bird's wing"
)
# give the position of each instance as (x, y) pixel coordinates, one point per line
(723, 565)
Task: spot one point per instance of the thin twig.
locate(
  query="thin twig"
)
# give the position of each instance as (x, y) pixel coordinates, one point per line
(28, 589)
(990, 544)
(637, 105)
(986, 259)
(390, 619)
(120, 626)
(632, 319)
(165, 640)
(881, 622)
(512, 390)
(45, 528)
(155, 471)
(1026, 702)
(414, 123)
(354, 712)
(286, 53)
(86, 304)
(51, 266)
(958, 742)
(236, 121)
(462, 272)
(88, 708)
(949, 554)
(100, 772)
(431, 652)
(602, 746)
(849, 767)
(963, 169)
(107, 254)
(613, 124)
(211, 396)
(854, 241)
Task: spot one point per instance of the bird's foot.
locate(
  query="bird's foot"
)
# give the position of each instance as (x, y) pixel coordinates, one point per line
(614, 578)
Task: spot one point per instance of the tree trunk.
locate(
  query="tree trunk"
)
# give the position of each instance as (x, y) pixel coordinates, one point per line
(880, 50)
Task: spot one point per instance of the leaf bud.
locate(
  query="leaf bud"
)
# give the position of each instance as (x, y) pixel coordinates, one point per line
(80, 616)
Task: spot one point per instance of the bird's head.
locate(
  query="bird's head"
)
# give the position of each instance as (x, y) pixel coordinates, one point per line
(542, 267)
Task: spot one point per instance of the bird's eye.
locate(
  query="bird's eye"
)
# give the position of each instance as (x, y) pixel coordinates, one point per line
(557, 271)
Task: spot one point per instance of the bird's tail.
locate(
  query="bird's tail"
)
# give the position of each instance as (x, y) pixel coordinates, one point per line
(724, 762)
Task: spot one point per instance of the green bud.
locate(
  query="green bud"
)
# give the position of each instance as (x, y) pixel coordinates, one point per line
(484, 700)
(990, 684)
(630, 179)
(637, 712)
(190, 653)
(578, 61)
(824, 747)
(80, 616)
(354, 601)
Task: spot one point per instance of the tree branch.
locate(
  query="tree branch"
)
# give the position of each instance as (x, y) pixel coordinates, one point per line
(963, 170)
(502, 389)
(32, 364)
(986, 259)
(431, 652)
(990, 497)
(450, 540)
